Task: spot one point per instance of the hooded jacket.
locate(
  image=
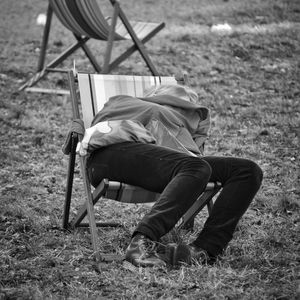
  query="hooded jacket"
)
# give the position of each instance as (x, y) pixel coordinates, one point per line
(173, 122)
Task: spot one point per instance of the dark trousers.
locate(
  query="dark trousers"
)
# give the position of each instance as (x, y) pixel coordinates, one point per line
(180, 179)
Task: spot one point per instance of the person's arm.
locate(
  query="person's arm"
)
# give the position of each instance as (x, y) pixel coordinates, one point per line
(123, 107)
(201, 133)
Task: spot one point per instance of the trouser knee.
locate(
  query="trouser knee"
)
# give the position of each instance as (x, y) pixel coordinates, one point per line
(255, 173)
(195, 167)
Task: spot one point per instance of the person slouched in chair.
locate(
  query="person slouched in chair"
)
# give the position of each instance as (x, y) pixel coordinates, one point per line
(161, 150)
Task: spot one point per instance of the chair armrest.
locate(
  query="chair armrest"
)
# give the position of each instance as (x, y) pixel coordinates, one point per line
(76, 130)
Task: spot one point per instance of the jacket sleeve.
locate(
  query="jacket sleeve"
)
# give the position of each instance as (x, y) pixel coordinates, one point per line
(122, 107)
(77, 127)
(201, 133)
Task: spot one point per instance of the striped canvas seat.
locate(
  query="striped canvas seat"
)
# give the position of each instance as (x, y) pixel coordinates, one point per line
(84, 18)
(95, 90)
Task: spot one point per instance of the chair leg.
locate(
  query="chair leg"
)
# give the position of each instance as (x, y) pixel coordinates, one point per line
(204, 199)
(89, 55)
(138, 44)
(132, 49)
(90, 212)
(69, 184)
(209, 206)
(82, 212)
(39, 75)
(189, 224)
(45, 39)
(110, 39)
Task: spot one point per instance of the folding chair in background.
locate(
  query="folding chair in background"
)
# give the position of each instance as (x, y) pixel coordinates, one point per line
(94, 91)
(84, 18)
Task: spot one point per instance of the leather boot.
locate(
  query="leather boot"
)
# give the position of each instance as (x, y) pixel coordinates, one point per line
(141, 252)
(198, 255)
(177, 255)
(180, 254)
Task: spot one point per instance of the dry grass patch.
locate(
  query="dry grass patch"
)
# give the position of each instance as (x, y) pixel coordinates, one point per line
(250, 81)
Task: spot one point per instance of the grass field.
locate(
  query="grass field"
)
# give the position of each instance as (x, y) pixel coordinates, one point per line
(249, 77)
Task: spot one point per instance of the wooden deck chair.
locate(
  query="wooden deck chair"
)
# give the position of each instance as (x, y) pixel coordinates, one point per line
(95, 90)
(85, 20)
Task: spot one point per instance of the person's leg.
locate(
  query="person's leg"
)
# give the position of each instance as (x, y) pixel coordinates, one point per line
(178, 177)
(241, 179)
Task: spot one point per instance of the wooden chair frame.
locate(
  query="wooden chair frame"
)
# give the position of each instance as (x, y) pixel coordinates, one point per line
(82, 37)
(108, 189)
